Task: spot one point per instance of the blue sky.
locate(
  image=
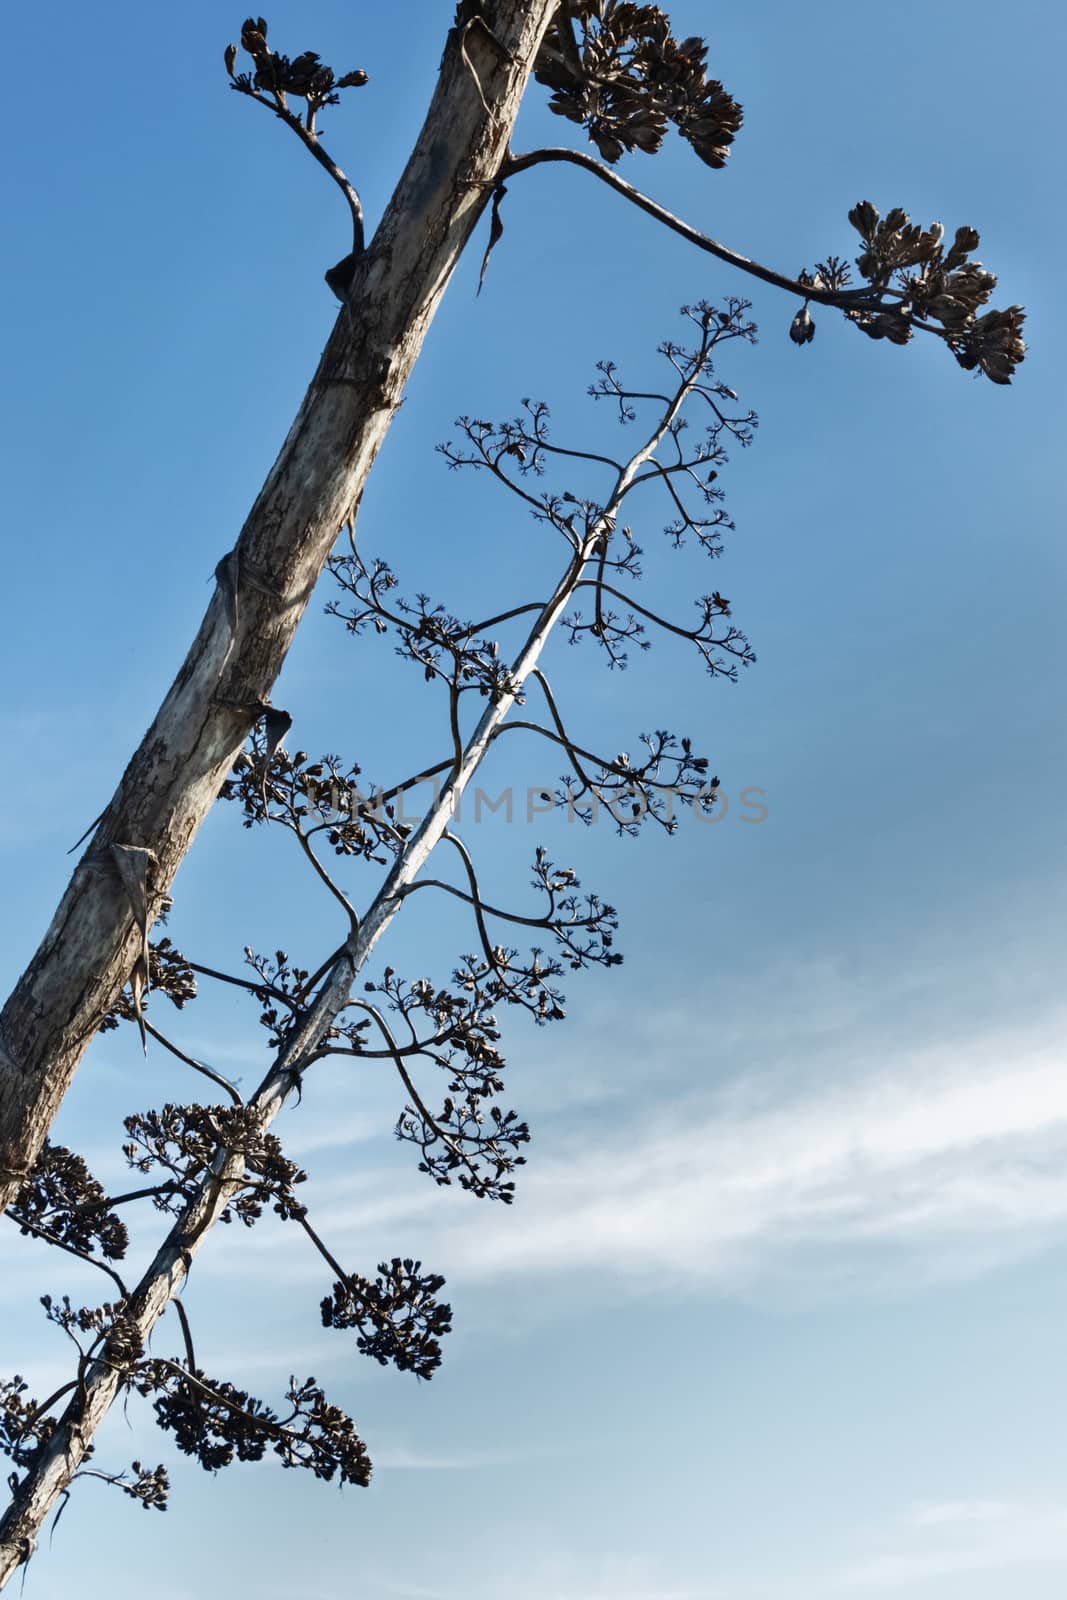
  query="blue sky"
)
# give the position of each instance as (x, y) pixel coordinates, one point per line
(779, 1309)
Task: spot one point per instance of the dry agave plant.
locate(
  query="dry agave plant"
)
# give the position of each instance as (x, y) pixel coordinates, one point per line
(199, 1164)
(614, 69)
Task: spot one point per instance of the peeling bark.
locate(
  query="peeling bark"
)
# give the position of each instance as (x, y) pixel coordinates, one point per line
(91, 947)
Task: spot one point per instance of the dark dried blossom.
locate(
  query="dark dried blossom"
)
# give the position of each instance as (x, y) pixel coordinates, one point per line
(935, 289)
(505, 977)
(464, 1139)
(215, 1421)
(22, 1429)
(892, 242)
(169, 973)
(310, 798)
(624, 78)
(723, 649)
(463, 1029)
(305, 75)
(110, 1324)
(583, 924)
(185, 1141)
(894, 324)
(398, 1315)
(459, 1141)
(211, 1420)
(994, 344)
(638, 792)
(687, 469)
(62, 1197)
(802, 327)
(149, 1485)
(833, 274)
(281, 996)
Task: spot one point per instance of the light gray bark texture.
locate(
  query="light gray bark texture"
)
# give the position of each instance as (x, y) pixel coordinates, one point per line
(166, 791)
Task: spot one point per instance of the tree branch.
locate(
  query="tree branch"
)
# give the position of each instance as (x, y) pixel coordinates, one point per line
(24, 1225)
(843, 298)
(197, 1066)
(310, 140)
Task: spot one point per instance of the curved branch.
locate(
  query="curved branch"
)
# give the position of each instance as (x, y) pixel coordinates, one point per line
(384, 795)
(331, 961)
(648, 477)
(273, 1430)
(506, 616)
(733, 258)
(324, 876)
(571, 748)
(420, 1105)
(474, 899)
(453, 721)
(575, 455)
(57, 1394)
(187, 1332)
(492, 911)
(24, 1225)
(197, 1066)
(310, 140)
(692, 634)
(110, 1200)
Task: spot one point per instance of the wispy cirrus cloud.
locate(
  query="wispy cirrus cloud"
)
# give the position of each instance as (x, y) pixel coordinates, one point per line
(959, 1536)
(942, 1513)
(869, 1170)
(937, 1164)
(553, 1575)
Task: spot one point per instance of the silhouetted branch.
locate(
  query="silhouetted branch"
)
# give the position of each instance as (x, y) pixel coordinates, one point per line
(274, 79)
(25, 1225)
(197, 1066)
(733, 258)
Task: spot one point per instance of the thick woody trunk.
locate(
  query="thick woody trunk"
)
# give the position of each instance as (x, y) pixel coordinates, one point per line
(91, 946)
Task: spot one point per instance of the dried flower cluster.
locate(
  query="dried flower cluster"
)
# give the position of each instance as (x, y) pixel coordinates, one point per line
(216, 1423)
(616, 70)
(915, 282)
(63, 1200)
(23, 1425)
(169, 973)
(185, 1140)
(113, 1329)
(305, 76)
(399, 1317)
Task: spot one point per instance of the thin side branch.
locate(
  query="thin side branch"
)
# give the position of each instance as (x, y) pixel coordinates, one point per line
(703, 241)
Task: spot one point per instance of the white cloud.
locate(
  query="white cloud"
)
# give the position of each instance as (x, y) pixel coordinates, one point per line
(554, 1574)
(938, 1513)
(962, 1536)
(939, 1164)
(930, 1165)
